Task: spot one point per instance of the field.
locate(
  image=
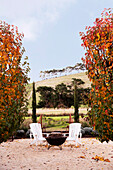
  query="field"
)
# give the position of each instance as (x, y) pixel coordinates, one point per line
(55, 119)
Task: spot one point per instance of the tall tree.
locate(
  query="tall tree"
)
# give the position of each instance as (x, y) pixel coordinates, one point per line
(61, 94)
(77, 82)
(98, 42)
(13, 79)
(76, 111)
(34, 104)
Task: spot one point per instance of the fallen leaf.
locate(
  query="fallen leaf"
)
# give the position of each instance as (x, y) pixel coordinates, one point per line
(98, 158)
(82, 157)
(77, 146)
(106, 160)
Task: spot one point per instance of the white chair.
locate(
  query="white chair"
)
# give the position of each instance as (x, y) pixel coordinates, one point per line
(74, 133)
(36, 132)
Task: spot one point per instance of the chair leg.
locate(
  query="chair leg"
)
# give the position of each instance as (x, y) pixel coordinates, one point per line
(76, 140)
(80, 137)
(34, 141)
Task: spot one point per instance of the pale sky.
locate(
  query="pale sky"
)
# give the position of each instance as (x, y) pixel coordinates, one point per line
(51, 29)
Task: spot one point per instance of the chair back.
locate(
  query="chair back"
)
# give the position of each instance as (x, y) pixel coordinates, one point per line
(74, 129)
(36, 130)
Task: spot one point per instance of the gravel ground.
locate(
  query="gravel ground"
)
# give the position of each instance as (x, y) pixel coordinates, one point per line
(90, 155)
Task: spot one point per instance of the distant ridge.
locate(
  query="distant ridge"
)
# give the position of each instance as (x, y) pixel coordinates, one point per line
(67, 79)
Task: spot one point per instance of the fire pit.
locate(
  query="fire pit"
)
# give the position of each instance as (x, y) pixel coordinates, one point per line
(56, 139)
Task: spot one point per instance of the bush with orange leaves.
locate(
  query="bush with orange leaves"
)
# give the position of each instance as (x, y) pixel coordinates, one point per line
(13, 79)
(98, 42)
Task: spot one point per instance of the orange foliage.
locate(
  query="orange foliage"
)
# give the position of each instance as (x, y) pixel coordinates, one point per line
(98, 42)
(13, 78)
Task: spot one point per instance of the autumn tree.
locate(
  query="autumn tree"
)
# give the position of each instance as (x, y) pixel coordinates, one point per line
(13, 78)
(98, 42)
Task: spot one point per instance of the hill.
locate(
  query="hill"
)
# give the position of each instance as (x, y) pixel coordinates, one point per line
(54, 81)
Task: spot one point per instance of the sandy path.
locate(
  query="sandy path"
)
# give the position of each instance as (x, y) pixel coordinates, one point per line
(19, 155)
